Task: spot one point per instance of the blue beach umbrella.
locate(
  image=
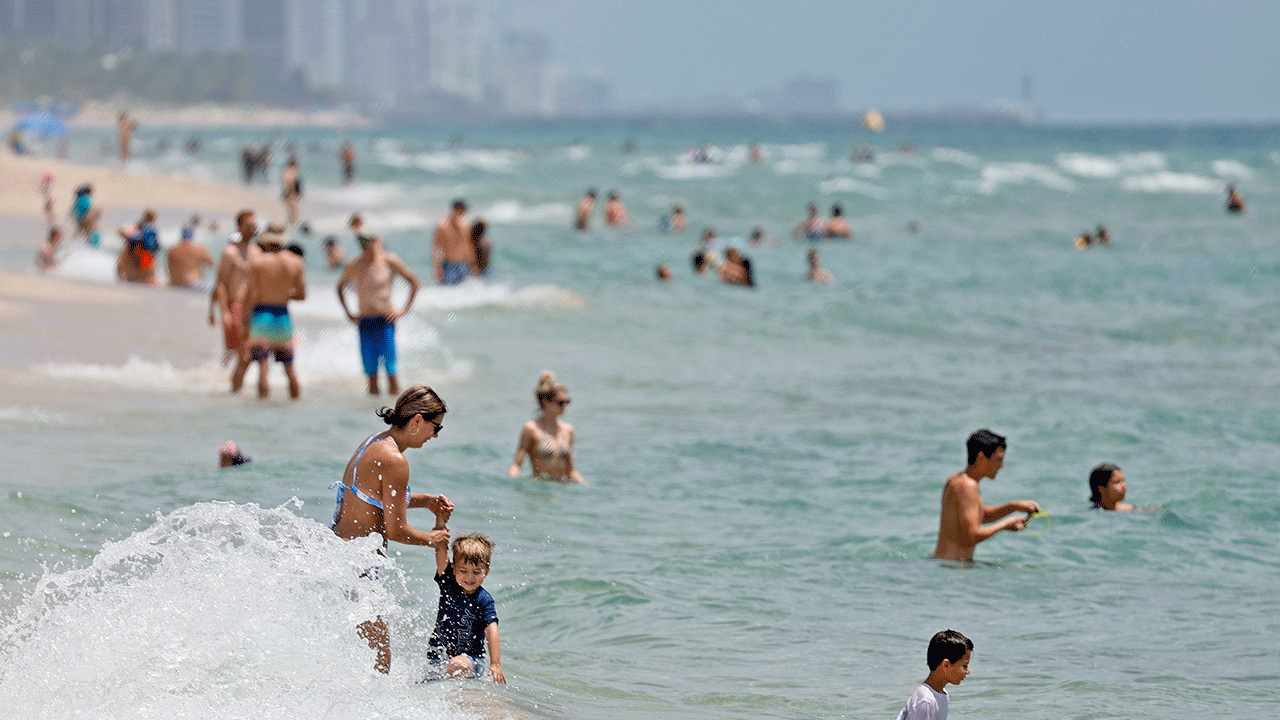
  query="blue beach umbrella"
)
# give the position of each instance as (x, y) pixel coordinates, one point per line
(43, 124)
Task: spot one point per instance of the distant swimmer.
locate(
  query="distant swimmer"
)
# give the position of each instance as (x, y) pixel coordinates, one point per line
(452, 252)
(372, 274)
(1235, 203)
(347, 156)
(837, 226)
(678, 221)
(736, 269)
(664, 272)
(484, 249)
(374, 495)
(754, 152)
(1103, 237)
(710, 249)
(548, 440)
(948, 658)
(1083, 241)
(187, 261)
(272, 279)
(230, 456)
(125, 127)
(615, 213)
(1107, 488)
(586, 206)
(817, 273)
(960, 526)
(334, 257)
(811, 228)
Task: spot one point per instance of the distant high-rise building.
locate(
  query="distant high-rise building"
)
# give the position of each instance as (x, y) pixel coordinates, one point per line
(525, 77)
(457, 46)
(263, 33)
(315, 41)
(209, 25)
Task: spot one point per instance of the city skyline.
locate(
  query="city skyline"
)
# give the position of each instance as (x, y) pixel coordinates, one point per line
(1141, 61)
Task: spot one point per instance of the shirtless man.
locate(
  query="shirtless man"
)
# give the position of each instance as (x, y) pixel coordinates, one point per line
(228, 292)
(960, 527)
(615, 213)
(291, 190)
(187, 261)
(1235, 203)
(272, 279)
(837, 226)
(452, 253)
(125, 126)
(586, 206)
(373, 272)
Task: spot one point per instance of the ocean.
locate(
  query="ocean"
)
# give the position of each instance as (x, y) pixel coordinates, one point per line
(764, 465)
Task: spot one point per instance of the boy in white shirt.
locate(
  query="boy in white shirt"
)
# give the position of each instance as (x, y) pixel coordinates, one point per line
(949, 654)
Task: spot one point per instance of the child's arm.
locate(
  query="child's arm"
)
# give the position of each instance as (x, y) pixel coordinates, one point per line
(495, 653)
(442, 547)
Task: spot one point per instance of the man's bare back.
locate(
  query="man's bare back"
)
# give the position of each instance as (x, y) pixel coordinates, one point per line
(274, 278)
(187, 261)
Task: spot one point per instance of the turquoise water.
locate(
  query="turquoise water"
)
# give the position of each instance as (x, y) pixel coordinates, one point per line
(764, 465)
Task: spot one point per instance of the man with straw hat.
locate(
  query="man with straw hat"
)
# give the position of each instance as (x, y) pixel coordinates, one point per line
(273, 279)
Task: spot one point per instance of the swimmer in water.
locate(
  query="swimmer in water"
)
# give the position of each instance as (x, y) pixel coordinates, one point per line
(1235, 203)
(960, 526)
(817, 273)
(548, 441)
(1107, 488)
(615, 213)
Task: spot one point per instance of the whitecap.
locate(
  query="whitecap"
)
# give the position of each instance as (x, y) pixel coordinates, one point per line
(849, 185)
(1018, 173)
(1232, 169)
(1171, 182)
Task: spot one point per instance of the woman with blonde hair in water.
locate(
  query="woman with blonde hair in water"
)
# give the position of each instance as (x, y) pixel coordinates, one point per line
(374, 494)
(548, 441)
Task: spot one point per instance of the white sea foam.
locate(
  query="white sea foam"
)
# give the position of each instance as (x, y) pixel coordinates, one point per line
(693, 171)
(849, 185)
(217, 609)
(1171, 182)
(995, 174)
(513, 212)
(955, 157)
(1110, 166)
(1232, 169)
(574, 153)
(448, 162)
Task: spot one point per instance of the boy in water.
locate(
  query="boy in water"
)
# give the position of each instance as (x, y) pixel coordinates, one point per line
(949, 654)
(467, 617)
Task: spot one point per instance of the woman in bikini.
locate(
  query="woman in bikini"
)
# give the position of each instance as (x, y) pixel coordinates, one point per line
(548, 441)
(373, 491)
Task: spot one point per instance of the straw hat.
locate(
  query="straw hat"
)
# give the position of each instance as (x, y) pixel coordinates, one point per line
(275, 234)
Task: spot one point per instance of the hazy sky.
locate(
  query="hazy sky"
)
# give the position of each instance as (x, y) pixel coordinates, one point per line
(1126, 61)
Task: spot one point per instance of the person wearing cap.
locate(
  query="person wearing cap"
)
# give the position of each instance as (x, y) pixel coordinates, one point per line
(373, 271)
(452, 253)
(273, 278)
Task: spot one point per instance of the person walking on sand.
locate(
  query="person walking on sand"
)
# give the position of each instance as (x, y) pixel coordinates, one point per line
(228, 293)
(272, 279)
(372, 272)
(452, 253)
(291, 190)
(374, 495)
(548, 441)
(960, 526)
(125, 127)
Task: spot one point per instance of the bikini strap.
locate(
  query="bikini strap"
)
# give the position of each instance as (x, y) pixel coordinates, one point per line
(352, 487)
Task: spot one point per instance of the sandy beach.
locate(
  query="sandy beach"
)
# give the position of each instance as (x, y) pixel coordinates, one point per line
(52, 320)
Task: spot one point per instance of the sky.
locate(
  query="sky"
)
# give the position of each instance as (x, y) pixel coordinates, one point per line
(1123, 61)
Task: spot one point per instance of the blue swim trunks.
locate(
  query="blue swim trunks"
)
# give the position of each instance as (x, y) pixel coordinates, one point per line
(271, 330)
(377, 340)
(455, 272)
